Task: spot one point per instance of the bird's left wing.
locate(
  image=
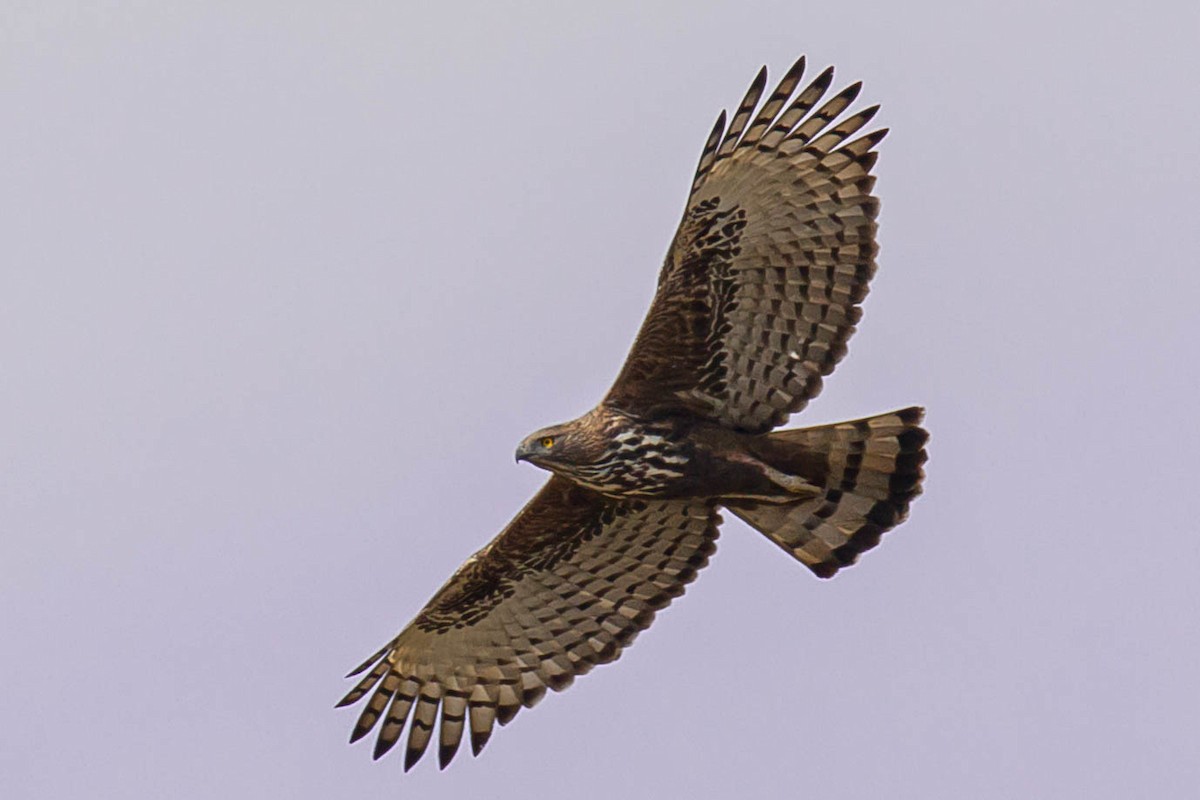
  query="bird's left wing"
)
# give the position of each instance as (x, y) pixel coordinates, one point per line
(762, 285)
(568, 584)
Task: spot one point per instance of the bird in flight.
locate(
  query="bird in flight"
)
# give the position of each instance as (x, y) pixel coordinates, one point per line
(759, 293)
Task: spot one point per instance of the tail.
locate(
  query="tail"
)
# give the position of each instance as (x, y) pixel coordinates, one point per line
(869, 470)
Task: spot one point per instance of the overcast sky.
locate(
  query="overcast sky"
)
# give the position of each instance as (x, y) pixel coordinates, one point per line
(283, 284)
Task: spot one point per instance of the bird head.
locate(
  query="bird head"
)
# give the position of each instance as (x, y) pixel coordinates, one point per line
(571, 448)
(547, 447)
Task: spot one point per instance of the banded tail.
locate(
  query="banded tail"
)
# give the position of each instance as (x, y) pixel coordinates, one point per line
(869, 471)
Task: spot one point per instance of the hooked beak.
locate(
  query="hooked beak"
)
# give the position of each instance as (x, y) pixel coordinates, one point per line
(524, 452)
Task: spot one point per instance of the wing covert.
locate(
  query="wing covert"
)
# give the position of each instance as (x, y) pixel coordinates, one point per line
(763, 281)
(567, 585)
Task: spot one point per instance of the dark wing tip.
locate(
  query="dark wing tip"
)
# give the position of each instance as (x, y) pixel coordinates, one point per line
(382, 746)
(411, 756)
(862, 149)
(446, 754)
(825, 570)
(478, 740)
(504, 714)
(375, 657)
(362, 728)
(822, 82)
(875, 137)
(760, 80)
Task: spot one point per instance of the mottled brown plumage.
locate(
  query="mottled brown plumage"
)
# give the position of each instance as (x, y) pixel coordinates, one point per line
(756, 301)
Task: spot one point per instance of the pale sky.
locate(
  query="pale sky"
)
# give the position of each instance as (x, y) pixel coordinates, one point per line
(283, 284)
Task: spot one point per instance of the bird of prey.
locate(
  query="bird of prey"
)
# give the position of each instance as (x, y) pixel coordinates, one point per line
(760, 291)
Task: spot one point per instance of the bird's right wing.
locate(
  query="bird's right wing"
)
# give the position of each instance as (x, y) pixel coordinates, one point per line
(568, 584)
(761, 287)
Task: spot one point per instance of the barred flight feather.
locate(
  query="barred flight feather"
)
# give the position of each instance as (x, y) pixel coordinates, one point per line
(781, 202)
(869, 471)
(546, 620)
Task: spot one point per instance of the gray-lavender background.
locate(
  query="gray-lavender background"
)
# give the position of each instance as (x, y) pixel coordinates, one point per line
(282, 285)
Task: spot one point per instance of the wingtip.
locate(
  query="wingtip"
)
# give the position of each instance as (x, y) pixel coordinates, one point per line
(478, 741)
(864, 146)
(446, 754)
(360, 730)
(378, 654)
(382, 747)
(793, 76)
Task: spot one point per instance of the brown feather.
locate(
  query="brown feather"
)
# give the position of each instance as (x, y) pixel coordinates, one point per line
(869, 470)
(568, 584)
(760, 290)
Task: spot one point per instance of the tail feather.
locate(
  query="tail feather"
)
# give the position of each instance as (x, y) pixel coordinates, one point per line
(869, 470)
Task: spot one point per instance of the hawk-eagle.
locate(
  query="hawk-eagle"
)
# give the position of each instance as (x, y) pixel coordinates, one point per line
(760, 291)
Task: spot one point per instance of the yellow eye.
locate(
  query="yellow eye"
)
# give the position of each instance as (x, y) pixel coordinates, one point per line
(547, 442)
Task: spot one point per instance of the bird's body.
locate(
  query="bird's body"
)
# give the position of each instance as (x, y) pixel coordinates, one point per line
(619, 455)
(760, 291)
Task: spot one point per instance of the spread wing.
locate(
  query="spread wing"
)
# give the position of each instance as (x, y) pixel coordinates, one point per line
(568, 584)
(762, 285)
